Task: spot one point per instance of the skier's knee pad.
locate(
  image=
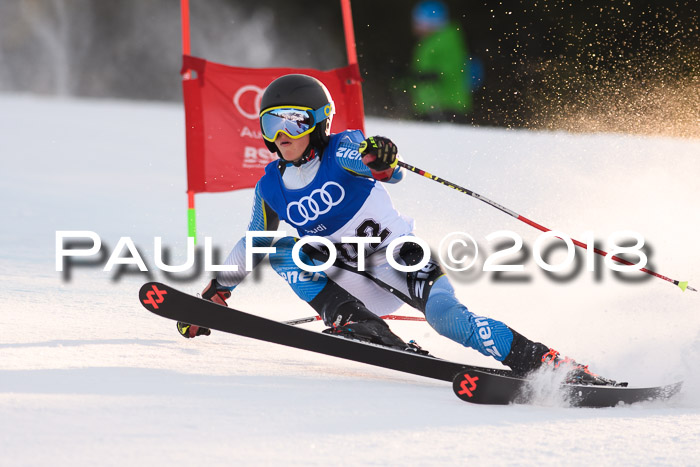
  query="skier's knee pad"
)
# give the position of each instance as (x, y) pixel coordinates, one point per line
(306, 284)
(453, 320)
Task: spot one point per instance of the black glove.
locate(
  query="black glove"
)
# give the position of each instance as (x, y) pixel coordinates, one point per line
(213, 292)
(380, 154)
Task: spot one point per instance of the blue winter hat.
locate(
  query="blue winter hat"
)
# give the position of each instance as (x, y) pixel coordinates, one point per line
(431, 14)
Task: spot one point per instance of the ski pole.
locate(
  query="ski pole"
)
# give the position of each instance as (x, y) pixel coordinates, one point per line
(682, 285)
(294, 322)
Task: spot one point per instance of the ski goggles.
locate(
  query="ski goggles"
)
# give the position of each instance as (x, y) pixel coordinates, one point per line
(294, 122)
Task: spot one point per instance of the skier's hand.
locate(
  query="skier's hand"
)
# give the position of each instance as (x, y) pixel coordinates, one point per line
(380, 154)
(214, 292)
(189, 331)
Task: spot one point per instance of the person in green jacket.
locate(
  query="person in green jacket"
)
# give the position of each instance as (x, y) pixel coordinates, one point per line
(440, 75)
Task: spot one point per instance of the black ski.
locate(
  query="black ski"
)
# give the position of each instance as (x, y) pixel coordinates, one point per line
(492, 387)
(179, 306)
(483, 388)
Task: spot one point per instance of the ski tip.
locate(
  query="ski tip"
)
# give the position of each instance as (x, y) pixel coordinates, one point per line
(465, 386)
(152, 294)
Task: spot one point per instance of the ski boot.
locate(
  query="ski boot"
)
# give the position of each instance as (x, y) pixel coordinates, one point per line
(527, 356)
(375, 332)
(349, 317)
(576, 373)
(367, 328)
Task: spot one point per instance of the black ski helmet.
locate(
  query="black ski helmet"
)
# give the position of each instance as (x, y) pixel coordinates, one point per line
(303, 91)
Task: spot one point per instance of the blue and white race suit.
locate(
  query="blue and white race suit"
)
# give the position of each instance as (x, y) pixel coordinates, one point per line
(334, 195)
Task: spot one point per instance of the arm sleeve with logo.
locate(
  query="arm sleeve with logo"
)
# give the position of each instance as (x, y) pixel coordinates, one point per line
(263, 217)
(348, 156)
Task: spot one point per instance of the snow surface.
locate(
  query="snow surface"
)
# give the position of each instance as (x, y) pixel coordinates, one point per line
(87, 376)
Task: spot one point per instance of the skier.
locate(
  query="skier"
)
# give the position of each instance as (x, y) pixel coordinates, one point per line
(330, 185)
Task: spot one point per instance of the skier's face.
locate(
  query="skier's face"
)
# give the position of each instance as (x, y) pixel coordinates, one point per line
(292, 149)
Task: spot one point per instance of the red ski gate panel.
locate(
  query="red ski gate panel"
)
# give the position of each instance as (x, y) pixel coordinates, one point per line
(225, 150)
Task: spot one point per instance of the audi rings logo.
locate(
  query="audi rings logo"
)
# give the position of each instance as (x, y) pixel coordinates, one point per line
(320, 201)
(243, 98)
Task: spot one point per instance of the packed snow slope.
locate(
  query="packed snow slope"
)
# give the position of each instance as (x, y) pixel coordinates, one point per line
(87, 376)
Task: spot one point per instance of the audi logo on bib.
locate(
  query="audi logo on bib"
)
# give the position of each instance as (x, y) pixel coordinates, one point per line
(320, 201)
